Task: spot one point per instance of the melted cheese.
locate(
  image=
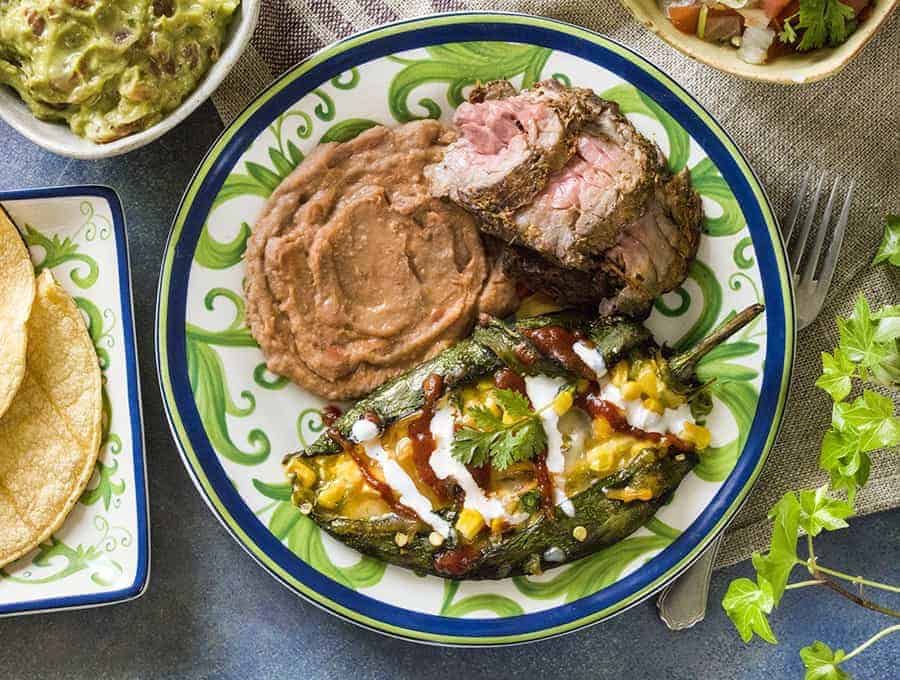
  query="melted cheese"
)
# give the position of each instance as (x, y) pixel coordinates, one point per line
(672, 420)
(542, 390)
(445, 465)
(409, 495)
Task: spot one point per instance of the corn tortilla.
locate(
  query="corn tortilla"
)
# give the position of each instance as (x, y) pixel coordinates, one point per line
(17, 287)
(50, 435)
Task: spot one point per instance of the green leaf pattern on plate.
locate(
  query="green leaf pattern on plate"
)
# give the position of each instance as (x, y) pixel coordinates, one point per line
(415, 86)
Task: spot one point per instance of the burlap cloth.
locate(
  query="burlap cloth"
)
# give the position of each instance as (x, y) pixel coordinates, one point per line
(848, 124)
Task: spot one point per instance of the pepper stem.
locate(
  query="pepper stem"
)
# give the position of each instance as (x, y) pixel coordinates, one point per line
(682, 366)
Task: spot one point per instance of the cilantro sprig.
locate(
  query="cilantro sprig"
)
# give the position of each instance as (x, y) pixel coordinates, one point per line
(497, 442)
(868, 352)
(824, 22)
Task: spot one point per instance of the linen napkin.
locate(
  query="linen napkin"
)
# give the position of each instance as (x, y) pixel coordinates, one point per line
(848, 124)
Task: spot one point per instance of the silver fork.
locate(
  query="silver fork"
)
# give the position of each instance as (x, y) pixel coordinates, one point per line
(683, 604)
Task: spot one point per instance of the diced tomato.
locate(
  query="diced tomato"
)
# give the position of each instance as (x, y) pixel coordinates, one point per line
(773, 8)
(684, 17)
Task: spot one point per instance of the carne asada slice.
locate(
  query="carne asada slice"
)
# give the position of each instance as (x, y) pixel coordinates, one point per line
(522, 448)
(651, 256)
(567, 211)
(509, 145)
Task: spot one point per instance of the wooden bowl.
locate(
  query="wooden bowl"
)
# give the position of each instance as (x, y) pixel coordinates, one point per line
(792, 69)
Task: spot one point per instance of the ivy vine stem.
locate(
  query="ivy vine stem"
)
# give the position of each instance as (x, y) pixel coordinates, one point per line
(855, 579)
(872, 640)
(803, 584)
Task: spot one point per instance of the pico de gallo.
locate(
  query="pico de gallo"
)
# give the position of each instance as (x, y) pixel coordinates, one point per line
(762, 30)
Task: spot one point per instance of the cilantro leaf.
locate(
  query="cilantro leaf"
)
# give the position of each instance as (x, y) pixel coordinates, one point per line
(889, 250)
(836, 373)
(485, 419)
(818, 511)
(822, 663)
(494, 439)
(472, 447)
(824, 21)
(747, 604)
(523, 443)
(776, 566)
(514, 404)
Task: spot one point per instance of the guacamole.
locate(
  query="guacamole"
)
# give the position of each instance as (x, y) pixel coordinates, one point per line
(109, 68)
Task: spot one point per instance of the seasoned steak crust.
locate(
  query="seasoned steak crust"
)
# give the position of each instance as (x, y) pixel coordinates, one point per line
(651, 257)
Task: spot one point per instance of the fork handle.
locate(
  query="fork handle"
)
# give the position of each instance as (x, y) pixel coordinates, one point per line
(683, 603)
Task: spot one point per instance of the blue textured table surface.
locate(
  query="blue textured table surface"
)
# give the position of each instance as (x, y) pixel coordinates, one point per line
(210, 611)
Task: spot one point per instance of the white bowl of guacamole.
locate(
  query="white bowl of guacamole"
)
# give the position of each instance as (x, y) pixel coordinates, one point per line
(97, 78)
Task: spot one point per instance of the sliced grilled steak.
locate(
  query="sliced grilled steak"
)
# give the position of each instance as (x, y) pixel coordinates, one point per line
(650, 257)
(654, 252)
(556, 169)
(509, 145)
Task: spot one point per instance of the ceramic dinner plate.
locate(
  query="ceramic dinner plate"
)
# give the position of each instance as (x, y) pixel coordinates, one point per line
(101, 554)
(233, 420)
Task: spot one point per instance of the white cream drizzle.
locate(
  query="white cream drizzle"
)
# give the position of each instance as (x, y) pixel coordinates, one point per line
(591, 357)
(445, 465)
(364, 430)
(542, 390)
(410, 496)
(672, 420)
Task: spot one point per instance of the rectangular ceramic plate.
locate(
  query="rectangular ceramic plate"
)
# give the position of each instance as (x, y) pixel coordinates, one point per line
(101, 554)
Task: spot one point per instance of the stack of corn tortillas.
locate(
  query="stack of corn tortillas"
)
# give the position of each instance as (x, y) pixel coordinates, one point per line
(50, 401)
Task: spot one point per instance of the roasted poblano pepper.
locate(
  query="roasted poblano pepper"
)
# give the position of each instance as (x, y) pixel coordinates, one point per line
(616, 475)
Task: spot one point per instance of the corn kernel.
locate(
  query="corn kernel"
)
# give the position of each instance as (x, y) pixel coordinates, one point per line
(332, 495)
(698, 435)
(579, 533)
(497, 525)
(629, 494)
(563, 402)
(602, 429)
(435, 539)
(305, 474)
(619, 373)
(470, 522)
(491, 404)
(485, 385)
(654, 405)
(648, 381)
(631, 390)
(401, 539)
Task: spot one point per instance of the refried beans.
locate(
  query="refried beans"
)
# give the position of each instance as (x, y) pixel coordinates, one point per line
(356, 273)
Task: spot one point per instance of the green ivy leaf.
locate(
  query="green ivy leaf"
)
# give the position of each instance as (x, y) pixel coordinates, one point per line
(837, 370)
(775, 567)
(871, 417)
(889, 250)
(747, 604)
(822, 663)
(818, 511)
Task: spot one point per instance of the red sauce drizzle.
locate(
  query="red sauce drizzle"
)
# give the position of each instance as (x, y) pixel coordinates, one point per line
(507, 379)
(330, 414)
(457, 561)
(481, 474)
(545, 484)
(556, 342)
(385, 491)
(423, 443)
(598, 407)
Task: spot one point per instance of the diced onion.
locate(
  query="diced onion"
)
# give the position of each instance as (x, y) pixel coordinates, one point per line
(755, 44)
